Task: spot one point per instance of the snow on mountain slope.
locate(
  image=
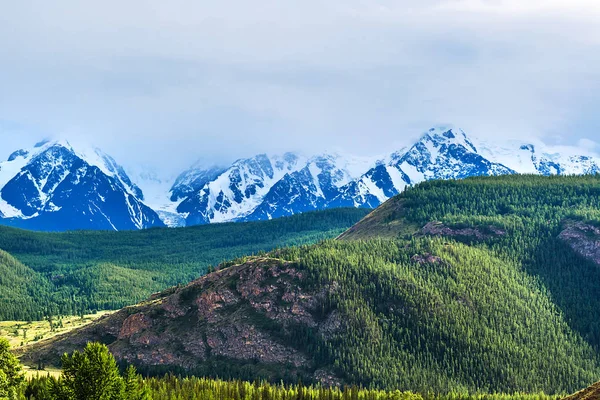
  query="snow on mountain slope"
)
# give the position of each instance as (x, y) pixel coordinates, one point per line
(311, 188)
(441, 153)
(55, 186)
(444, 153)
(156, 193)
(58, 186)
(329, 181)
(334, 180)
(535, 157)
(192, 180)
(237, 191)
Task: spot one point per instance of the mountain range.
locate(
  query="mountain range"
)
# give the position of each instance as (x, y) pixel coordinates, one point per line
(56, 186)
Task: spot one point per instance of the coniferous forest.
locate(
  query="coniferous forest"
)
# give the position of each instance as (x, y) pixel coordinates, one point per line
(482, 285)
(51, 274)
(93, 374)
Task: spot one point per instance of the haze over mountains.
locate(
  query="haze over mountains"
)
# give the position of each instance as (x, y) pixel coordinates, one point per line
(58, 186)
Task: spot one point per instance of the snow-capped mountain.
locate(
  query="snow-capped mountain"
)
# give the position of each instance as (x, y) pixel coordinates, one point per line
(328, 181)
(156, 187)
(535, 157)
(445, 154)
(237, 191)
(192, 180)
(313, 187)
(441, 153)
(54, 186)
(263, 187)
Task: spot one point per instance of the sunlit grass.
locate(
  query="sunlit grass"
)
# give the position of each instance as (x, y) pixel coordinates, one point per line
(24, 333)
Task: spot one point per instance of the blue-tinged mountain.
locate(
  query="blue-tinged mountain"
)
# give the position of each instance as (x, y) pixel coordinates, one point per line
(313, 187)
(537, 158)
(235, 192)
(266, 187)
(330, 181)
(193, 180)
(56, 187)
(440, 154)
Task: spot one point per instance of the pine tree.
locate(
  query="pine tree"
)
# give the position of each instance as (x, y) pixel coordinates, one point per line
(90, 375)
(11, 376)
(134, 387)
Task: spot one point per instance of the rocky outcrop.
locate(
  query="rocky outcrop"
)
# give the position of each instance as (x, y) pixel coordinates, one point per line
(246, 313)
(436, 228)
(134, 324)
(583, 238)
(247, 342)
(591, 393)
(426, 259)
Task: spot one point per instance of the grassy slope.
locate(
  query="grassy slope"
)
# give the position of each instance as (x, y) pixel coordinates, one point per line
(76, 272)
(24, 333)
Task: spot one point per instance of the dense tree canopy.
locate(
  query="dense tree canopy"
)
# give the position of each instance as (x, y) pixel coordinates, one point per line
(11, 377)
(96, 367)
(45, 274)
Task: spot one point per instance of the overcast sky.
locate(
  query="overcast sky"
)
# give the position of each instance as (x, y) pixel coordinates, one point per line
(175, 81)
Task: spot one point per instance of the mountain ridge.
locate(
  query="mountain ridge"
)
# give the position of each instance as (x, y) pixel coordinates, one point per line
(440, 153)
(269, 186)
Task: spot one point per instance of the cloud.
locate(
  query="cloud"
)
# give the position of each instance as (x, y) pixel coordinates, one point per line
(181, 80)
(588, 144)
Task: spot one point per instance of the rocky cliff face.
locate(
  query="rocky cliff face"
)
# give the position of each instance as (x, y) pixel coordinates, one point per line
(246, 314)
(584, 239)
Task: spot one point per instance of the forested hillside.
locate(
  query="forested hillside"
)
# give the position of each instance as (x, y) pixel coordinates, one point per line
(20, 286)
(442, 316)
(70, 273)
(425, 315)
(545, 225)
(480, 285)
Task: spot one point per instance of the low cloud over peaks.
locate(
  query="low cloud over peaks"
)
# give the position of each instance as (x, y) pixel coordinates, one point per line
(182, 80)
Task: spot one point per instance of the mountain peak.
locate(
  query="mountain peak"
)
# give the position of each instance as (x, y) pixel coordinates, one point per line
(41, 143)
(442, 135)
(441, 129)
(56, 186)
(271, 185)
(528, 147)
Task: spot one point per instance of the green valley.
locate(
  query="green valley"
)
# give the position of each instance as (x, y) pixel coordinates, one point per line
(45, 274)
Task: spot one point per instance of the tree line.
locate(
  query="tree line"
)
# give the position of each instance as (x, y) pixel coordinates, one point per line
(93, 374)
